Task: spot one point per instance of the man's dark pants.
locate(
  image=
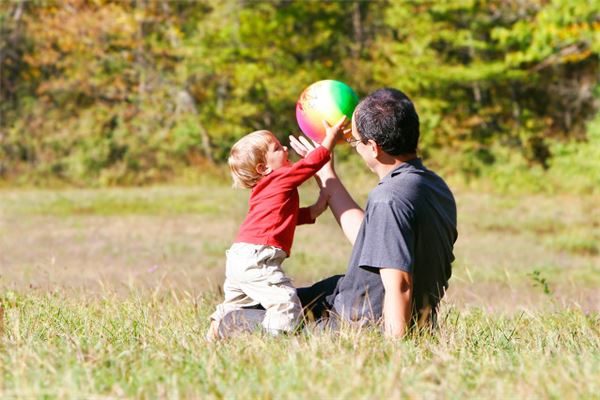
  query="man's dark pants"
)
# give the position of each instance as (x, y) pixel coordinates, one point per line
(314, 301)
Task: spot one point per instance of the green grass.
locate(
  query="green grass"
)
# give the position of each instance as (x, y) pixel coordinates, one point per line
(72, 346)
(106, 293)
(576, 242)
(134, 201)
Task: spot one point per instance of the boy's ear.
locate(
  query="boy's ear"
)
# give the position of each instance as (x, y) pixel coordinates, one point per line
(263, 169)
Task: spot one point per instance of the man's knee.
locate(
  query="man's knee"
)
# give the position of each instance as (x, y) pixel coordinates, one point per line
(314, 298)
(239, 321)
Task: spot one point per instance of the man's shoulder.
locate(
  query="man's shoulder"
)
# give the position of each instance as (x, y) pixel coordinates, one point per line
(416, 177)
(385, 200)
(384, 192)
(411, 188)
(397, 187)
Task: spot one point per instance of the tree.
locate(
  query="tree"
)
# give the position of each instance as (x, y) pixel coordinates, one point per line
(487, 74)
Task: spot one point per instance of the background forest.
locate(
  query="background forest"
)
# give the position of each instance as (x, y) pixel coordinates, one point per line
(134, 92)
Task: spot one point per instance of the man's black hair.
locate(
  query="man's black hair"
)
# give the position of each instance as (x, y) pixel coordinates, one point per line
(388, 117)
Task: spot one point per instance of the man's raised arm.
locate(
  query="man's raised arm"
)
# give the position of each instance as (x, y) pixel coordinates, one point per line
(347, 213)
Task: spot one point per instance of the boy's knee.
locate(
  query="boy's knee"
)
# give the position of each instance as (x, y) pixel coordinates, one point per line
(283, 317)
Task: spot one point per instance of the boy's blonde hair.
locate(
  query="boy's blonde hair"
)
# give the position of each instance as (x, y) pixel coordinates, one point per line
(245, 156)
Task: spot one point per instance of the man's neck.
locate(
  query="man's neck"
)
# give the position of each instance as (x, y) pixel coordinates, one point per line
(388, 163)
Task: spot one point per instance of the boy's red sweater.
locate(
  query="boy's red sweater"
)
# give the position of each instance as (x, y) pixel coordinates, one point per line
(274, 205)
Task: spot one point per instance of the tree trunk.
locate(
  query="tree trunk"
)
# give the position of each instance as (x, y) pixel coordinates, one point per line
(358, 30)
(186, 103)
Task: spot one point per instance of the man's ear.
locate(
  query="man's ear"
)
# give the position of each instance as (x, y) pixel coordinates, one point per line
(374, 148)
(263, 169)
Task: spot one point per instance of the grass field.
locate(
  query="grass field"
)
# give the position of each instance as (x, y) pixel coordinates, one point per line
(106, 294)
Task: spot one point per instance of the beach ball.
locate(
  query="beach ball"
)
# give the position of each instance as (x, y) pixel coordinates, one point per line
(327, 100)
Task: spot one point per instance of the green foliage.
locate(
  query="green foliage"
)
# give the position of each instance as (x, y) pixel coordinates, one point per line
(486, 77)
(109, 92)
(574, 167)
(539, 280)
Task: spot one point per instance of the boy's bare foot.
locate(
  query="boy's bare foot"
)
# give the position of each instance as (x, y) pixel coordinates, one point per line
(213, 331)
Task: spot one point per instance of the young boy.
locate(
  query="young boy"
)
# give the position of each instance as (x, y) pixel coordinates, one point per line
(253, 273)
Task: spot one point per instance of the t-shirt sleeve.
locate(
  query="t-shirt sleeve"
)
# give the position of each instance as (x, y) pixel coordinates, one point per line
(304, 216)
(388, 238)
(302, 170)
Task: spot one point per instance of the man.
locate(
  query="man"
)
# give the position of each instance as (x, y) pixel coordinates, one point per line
(403, 240)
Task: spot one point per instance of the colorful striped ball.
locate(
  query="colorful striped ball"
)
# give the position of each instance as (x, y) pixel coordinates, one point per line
(327, 100)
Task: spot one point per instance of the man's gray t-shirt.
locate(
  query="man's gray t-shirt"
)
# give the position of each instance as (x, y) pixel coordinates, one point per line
(410, 225)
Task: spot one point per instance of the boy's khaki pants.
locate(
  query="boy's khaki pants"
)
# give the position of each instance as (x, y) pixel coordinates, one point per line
(253, 276)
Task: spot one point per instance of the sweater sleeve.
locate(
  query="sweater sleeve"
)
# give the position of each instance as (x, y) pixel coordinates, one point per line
(307, 167)
(304, 216)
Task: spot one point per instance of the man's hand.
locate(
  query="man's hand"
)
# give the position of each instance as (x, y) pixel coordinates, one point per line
(397, 306)
(302, 145)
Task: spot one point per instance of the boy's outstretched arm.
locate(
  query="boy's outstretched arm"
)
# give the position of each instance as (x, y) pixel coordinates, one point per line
(302, 170)
(346, 211)
(308, 215)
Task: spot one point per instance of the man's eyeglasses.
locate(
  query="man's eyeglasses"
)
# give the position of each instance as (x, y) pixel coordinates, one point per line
(353, 142)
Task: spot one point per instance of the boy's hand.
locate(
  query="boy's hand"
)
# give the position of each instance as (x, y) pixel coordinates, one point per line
(320, 206)
(302, 146)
